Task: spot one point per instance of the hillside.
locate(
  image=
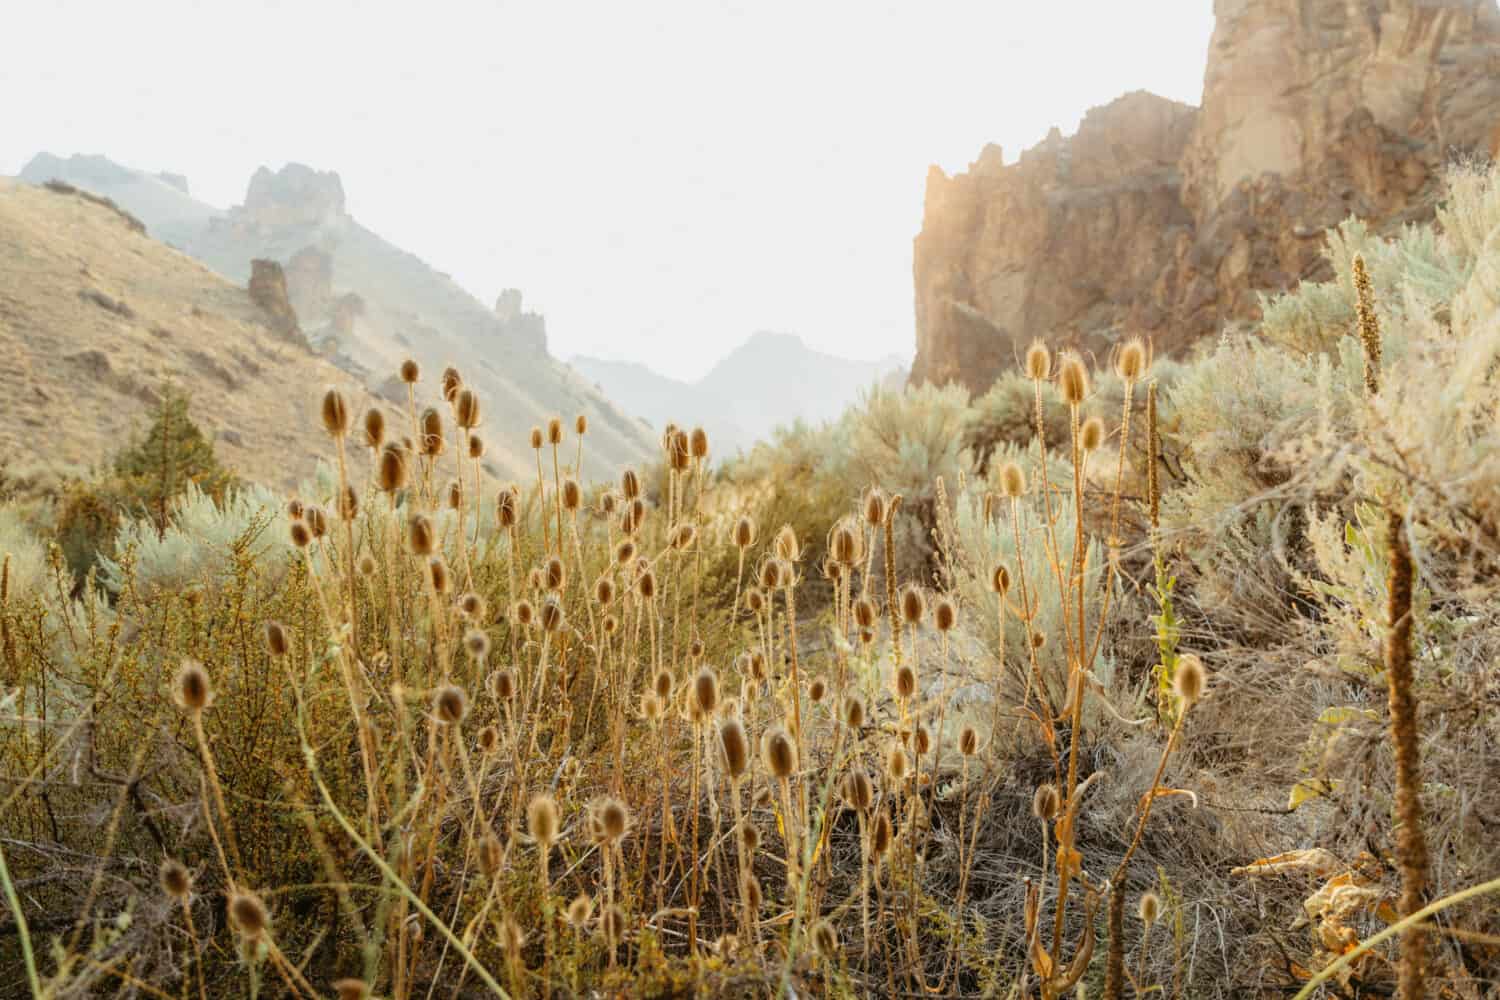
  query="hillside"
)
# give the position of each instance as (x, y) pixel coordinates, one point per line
(770, 380)
(368, 304)
(96, 317)
(1170, 221)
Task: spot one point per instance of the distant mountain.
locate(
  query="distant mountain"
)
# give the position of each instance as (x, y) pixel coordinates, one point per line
(770, 380)
(367, 304)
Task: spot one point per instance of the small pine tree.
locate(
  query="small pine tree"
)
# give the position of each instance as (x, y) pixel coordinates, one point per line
(174, 452)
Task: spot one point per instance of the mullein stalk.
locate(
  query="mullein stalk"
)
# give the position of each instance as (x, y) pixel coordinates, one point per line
(1411, 844)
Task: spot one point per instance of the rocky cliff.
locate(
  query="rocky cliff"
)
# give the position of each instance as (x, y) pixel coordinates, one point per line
(1165, 220)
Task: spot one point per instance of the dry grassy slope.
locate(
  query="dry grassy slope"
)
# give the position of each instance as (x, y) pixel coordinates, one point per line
(77, 376)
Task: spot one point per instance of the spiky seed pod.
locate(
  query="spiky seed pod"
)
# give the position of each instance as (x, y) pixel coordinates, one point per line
(921, 741)
(604, 591)
(612, 923)
(473, 606)
(631, 516)
(881, 835)
(301, 536)
(335, 412)
(846, 543)
(662, 684)
(542, 820)
(770, 574)
(453, 494)
(610, 624)
(477, 643)
(580, 910)
(581, 424)
(390, 468)
(630, 484)
(476, 446)
(192, 689)
(317, 520)
(944, 614)
(1091, 434)
(854, 711)
(536, 439)
(624, 553)
(1000, 580)
(1072, 380)
(749, 836)
(913, 604)
(572, 494)
(652, 708)
(609, 502)
(968, 741)
(695, 650)
(555, 431)
(1045, 802)
(706, 691)
(859, 790)
(865, 613)
(523, 613)
(743, 535)
(294, 509)
(866, 636)
(1038, 640)
(698, 443)
(645, 585)
(817, 690)
(755, 600)
(735, 746)
(275, 636)
(1189, 679)
(437, 571)
(1038, 361)
(451, 382)
(552, 614)
(1149, 908)
(431, 430)
(176, 881)
(679, 450)
(1131, 361)
(787, 546)
(614, 818)
(488, 739)
(896, 765)
(683, 536)
(757, 666)
(503, 683)
(875, 506)
(248, 914)
(450, 704)
(410, 372)
(1012, 480)
(348, 504)
(466, 409)
(505, 507)
(750, 892)
(350, 989)
(420, 537)
(778, 752)
(825, 939)
(1369, 324)
(906, 681)
(556, 573)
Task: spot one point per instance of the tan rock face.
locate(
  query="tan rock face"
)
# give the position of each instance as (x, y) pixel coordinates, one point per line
(1165, 220)
(268, 290)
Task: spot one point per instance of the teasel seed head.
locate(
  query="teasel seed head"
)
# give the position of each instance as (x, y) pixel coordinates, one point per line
(466, 409)
(770, 574)
(437, 570)
(604, 591)
(757, 666)
(609, 502)
(248, 914)
(410, 371)
(750, 891)
(366, 565)
(881, 835)
(786, 546)
(542, 820)
(316, 519)
(1000, 580)
(744, 532)
(614, 818)
(506, 507)
(652, 708)
(610, 624)
(921, 741)
(453, 494)
(523, 613)
(683, 536)
(630, 484)
(1012, 480)
(476, 446)
(580, 910)
(735, 746)
(875, 507)
(1149, 908)
(572, 494)
(536, 439)
(846, 543)
(300, 535)
(1189, 679)
(698, 442)
(503, 684)
(552, 614)
(335, 412)
(1038, 361)
(968, 741)
(865, 612)
(432, 440)
(1132, 360)
(276, 641)
(1038, 640)
(679, 450)
(1045, 802)
(390, 468)
(817, 690)
(944, 614)
(451, 382)
(555, 573)
(477, 644)
(294, 509)
(374, 425)
(906, 681)
(706, 691)
(897, 764)
(859, 790)
(854, 711)
(913, 604)
(825, 939)
(348, 504)
(645, 585)
(450, 705)
(192, 689)
(473, 606)
(1091, 434)
(176, 881)
(491, 855)
(488, 739)
(755, 600)
(1072, 380)
(778, 752)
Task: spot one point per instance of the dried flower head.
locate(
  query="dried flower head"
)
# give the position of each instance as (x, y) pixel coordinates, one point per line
(755, 600)
(300, 535)
(410, 372)
(348, 504)
(786, 544)
(968, 741)
(770, 574)
(846, 542)
(450, 383)
(491, 854)
(743, 535)
(335, 412)
(735, 746)
(1072, 380)
(523, 613)
(1045, 802)
(897, 764)
(431, 431)
(552, 614)
(1091, 434)
(875, 507)
(1012, 480)
(944, 614)
(1189, 679)
(450, 704)
(580, 910)
(374, 428)
(706, 691)
(542, 820)
(881, 834)
(906, 681)
(572, 494)
(477, 644)
(488, 739)
(913, 604)
(865, 612)
(294, 509)
(554, 573)
(630, 484)
(858, 790)
(248, 914)
(854, 711)
(1149, 908)
(176, 881)
(316, 519)
(555, 431)
(276, 640)
(921, 741)
(192, 690)
(536, 439)
(1000, 580)
(476, 446)
(1038, 361)
(1132, 359)
(390, 468)
(816, 690)
(825, 939)
(612, 922)
(503, 684)
(437, 572)
(778, 752)
(466, 410)
(698, 443)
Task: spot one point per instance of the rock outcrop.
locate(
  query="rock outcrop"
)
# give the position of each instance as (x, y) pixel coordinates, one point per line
(268, 291)
(1165, 220)
(295, 195)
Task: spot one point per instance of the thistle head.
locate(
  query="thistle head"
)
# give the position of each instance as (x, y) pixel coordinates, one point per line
(466, 410)
(192, 689)
(374, 424)
(543, 822)
(1072, 380)
(779, 753)
(335, 412)
(1189, 679)
(390, 468)
(410, 372)
(450, 705)
(735, 746)
(276, 640)
(1132, 360)
(176, 880)
(1038, 361)
(248, 914)
(1091, 434)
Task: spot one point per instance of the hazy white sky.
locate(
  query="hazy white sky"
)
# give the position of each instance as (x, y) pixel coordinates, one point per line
(660, 178)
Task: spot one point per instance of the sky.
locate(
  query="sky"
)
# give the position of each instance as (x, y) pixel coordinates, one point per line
(661, 179)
